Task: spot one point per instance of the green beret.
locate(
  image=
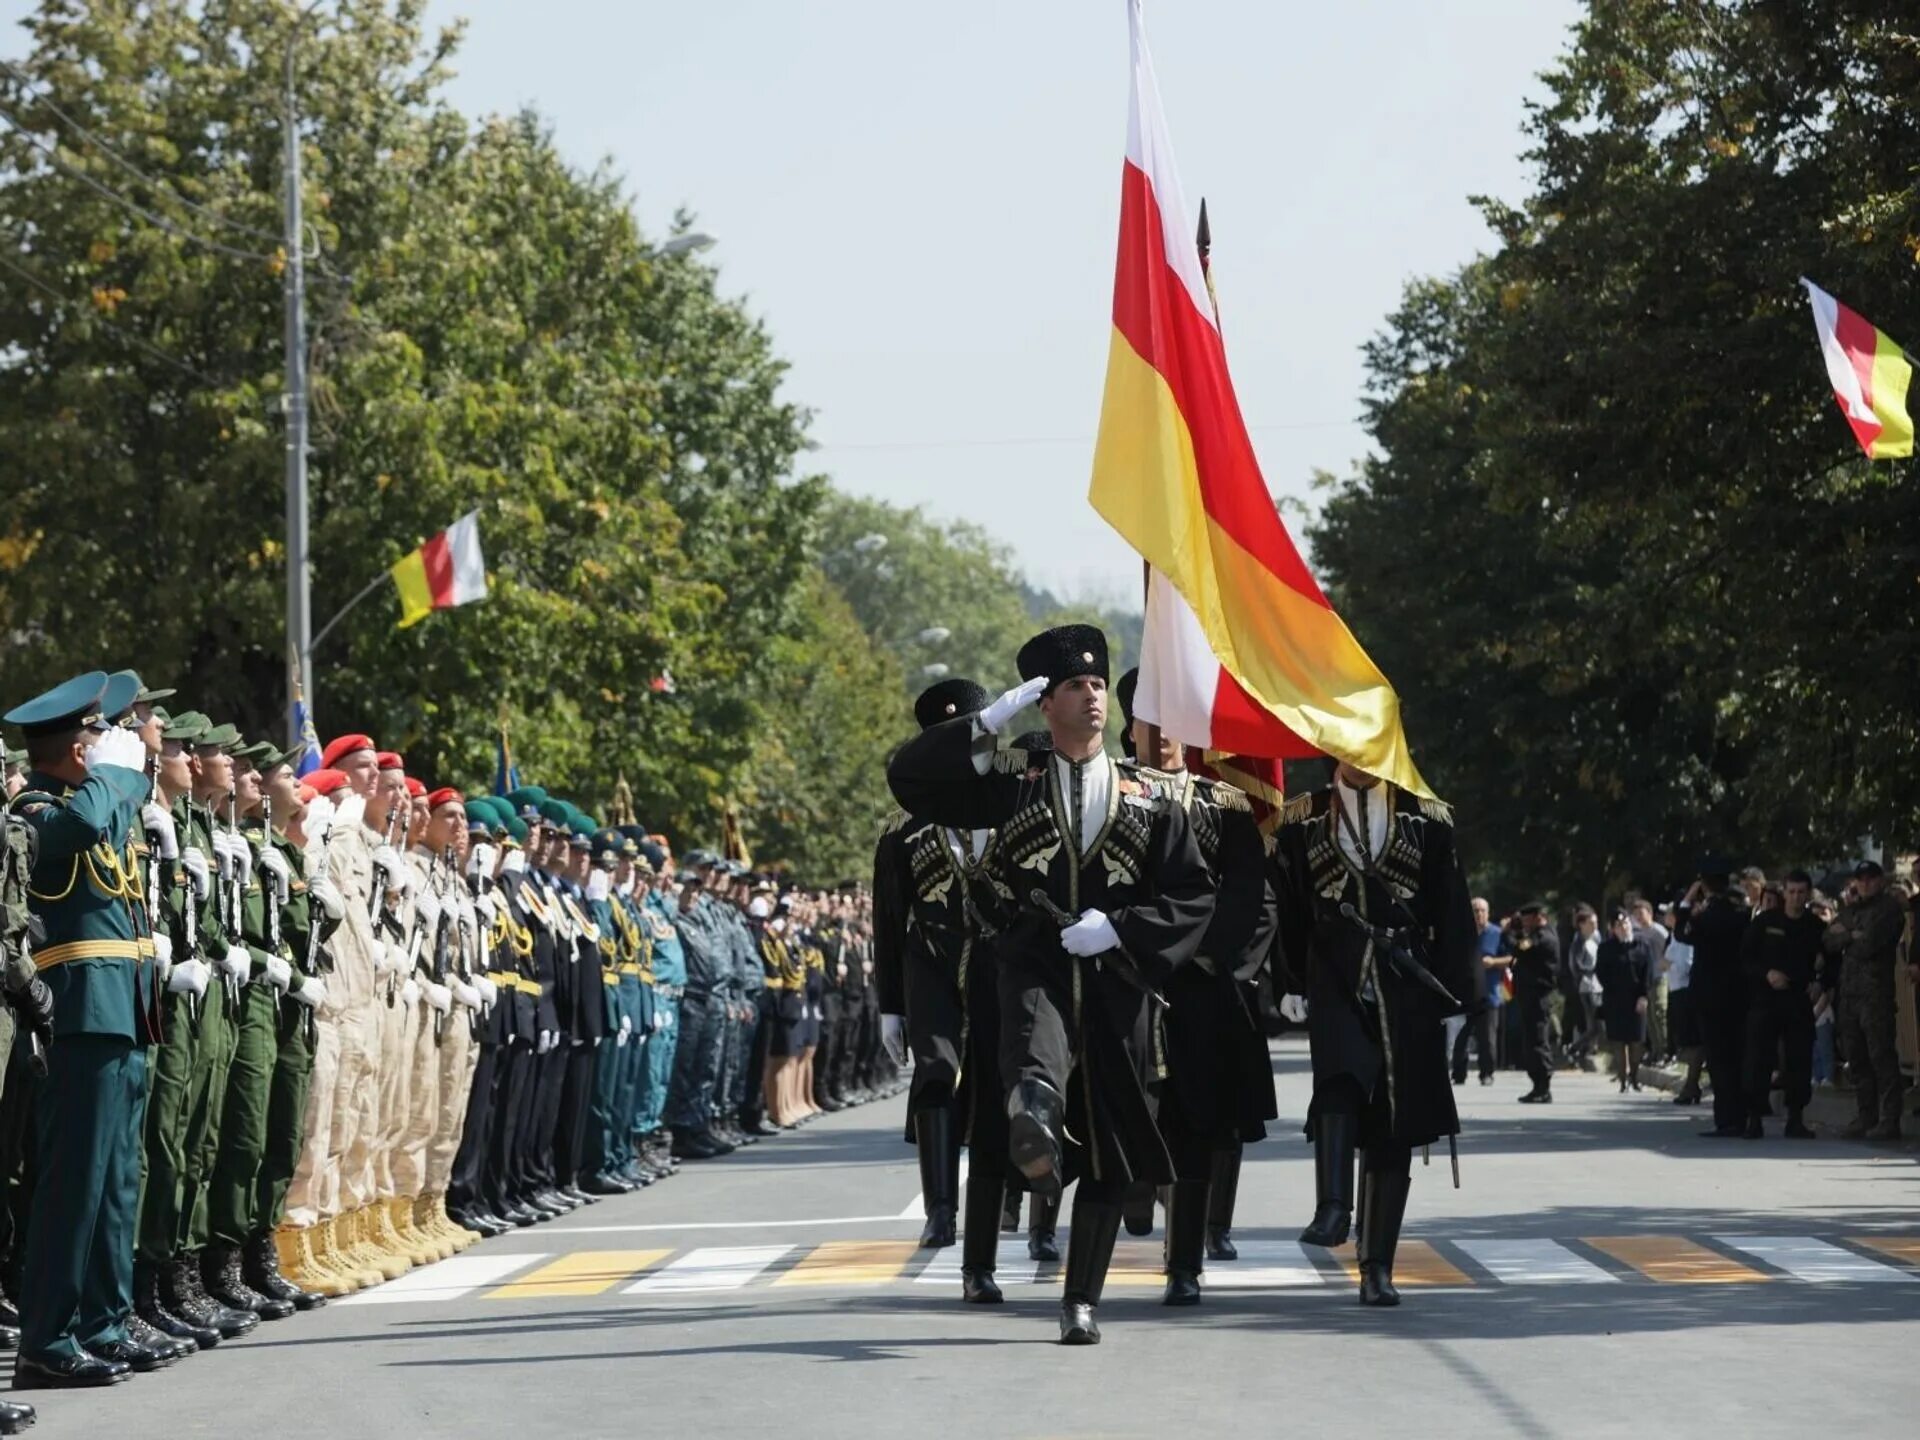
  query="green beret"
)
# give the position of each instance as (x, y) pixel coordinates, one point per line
(556, 812)
(518, 828)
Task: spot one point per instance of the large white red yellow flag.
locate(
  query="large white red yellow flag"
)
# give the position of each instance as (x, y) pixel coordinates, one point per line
(1870, 374)
(1242, 651)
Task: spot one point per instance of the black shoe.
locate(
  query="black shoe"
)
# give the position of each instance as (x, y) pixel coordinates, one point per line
(764, 1127)
(1687, 1097)
(1183, 1288)
(148, 1305)
(1460, 1077)
(135, 1356)
(1034, 1114)
(1797, 1127)
(1043, 1219)
(828, 1104)
(1220, 1244)
(1383, 1205)
(520, 1216)
(1223, 1190)
(938, 1233)
(69, 1372)
(1186, 1237)
(578, 1196)
(1754, 1129)
(15, 1418)
(1334, 1139)
(220, 1272)
(9, 1337)
(1537, 1096)
(938, 1154)
(9, 1312)
(604, 1185)
(1077, 1325)
(140, 1333)
(1096, 1225)
(1486, 1079)
(977, 1287)
(1043, 1246)
(260, 1268)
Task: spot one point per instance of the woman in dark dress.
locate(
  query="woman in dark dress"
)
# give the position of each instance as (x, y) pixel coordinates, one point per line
(1625, 971)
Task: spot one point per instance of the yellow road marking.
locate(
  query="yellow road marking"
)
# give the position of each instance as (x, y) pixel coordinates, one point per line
(1415, 1263)
(851, 1262)
(589, 1272)
(1674, 1260)
(1899, 1247)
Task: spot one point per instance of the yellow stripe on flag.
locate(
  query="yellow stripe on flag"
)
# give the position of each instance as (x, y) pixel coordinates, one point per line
(416, 598)
(1892, 374)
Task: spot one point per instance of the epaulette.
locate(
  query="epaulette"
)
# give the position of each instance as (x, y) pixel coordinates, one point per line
(1436, 810)
(1230, 797)
(893, 823)
(1011, 761)
(1298, 810)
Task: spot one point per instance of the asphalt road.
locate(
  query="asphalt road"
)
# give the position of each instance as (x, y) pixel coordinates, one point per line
(1603, 1271)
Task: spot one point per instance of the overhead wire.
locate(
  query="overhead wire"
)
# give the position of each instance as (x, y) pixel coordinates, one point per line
(69, 303)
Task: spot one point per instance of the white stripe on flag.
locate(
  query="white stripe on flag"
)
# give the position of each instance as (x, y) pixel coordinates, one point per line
(1150, 149)
(1840, 372)
(1179, 674)
(469, 568)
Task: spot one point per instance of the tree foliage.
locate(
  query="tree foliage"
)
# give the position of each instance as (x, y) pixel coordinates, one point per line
(1640, 593)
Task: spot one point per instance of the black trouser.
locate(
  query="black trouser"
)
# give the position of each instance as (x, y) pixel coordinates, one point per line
(1780, 1023)
(1536, 1028)
(1484, 1028)
(464, 1186)
(1723, 1021)
(576, 1099)
(549, 1085)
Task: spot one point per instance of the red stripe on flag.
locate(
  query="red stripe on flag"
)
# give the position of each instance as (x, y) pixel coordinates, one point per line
(1861, 342)
(437, 556)
(1242, 726)
(1152, 309)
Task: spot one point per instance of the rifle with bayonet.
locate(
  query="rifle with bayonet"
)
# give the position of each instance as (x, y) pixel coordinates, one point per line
(235, 924)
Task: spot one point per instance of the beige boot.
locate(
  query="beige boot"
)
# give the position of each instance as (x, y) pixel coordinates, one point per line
(403, 1242)
(429, 1221)
(383, 1246)
(337, 1253)
(299, 1264)
(462, 1236)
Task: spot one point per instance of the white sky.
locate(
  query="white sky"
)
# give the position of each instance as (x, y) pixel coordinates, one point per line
(921, 199)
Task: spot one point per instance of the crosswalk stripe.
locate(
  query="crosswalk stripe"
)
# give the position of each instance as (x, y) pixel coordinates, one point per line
(1011, 1266)
(851, 1262)
(1135, 1262)
(1674, 1259)
(589, 1272)
(1816, 1261)
(1534, 1262)
(714, 1267)
(448, 1280)
(1903, 1248)
(1416, 1264)
(1266, 1265)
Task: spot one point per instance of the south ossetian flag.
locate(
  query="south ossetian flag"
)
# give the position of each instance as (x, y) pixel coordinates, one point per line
(1242, 651)
(1870, 376)
(446, 571)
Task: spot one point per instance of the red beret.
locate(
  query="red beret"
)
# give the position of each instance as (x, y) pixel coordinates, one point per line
(342, 746)
(390, 760)
(445, 795)
(325, 782)
(415, 788)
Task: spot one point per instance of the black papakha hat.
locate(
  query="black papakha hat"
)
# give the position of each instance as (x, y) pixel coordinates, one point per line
(1063, 653)
(948, 699)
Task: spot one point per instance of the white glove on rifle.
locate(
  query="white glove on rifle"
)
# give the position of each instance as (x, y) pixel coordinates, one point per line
(1294, 1008)
(222, 853)
(994, 718)
(189, 977)
(548, 1039)
(1091, 934)
(194, 861)
(489, 992)
(391, 960)
(274, 864)
(163, 954)
(388, 861)
(480, 862)
(327, 895)
(118, 747)
(426, 908)
(487, 905)
(279, 974)
(319, 821)
(160, 830)
(236, 964)
(464, 994)
(312, 991)
(438, 996)
(626, 1030)
(893, 1035)
(410, 993)
(242, 859)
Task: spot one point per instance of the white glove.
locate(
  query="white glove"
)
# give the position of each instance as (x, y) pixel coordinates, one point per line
(236, 964)
(426, 908)
(312, 992)
(465, 994)
(273, 863)
(670, 1021)
(548, 1039)
(160, 830)
(438, 996)
(189, 977)
(626, 1030)
(319, 821)
(222, 853)
(480, 862)
(1091, 934)
(489, 992)
(194, 861)
(388, 860)
(893, 1035)
(323, 890)
(487, 905)
(660, 1018)
(1294, 1008)
(163, 953)
(410, 993)
(242, 859)
(994, 718)
(391, 960)
(119, 747)
(279, 974)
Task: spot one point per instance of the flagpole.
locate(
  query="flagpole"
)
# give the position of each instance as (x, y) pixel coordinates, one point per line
(327, 629)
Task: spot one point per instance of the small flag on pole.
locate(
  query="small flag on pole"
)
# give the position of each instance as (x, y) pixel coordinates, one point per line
(446, 571)
(1870, 375)
(307, 738)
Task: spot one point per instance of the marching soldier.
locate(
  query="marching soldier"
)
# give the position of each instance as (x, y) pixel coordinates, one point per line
(669, 985)
(1103, 867)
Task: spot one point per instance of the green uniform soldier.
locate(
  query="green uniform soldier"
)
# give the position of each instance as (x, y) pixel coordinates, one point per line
(86, 784)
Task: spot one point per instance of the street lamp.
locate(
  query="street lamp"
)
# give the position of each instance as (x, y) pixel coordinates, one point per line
(692, 243)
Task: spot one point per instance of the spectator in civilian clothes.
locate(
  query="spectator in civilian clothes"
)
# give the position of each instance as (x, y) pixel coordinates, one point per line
(1683, 1026)
(1654, 936)
(1484, 1028)
(1753, 884)
(1583, 993)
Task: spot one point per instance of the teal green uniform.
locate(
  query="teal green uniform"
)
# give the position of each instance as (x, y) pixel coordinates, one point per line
(77, 1279)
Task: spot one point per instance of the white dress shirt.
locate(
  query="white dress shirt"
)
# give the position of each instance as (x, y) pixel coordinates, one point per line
(1379, 815)
(1096, 789)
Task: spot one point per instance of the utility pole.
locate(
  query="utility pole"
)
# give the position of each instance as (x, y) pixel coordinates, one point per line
(299, 612)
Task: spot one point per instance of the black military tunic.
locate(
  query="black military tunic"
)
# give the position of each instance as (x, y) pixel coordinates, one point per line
(1355, 993)
(1078, 1025)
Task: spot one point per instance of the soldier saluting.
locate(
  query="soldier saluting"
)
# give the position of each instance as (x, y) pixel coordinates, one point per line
(1097, 891)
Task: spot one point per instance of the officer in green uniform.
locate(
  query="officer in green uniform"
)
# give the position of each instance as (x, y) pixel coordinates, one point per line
(86, 783)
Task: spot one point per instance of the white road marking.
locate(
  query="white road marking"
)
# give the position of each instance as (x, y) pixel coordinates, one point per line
(1806, 1258)
(725, 1267)
(1535, 1262)
(735, 1225)
(1266, 1265)
(447, 1280)
(1011, 1265)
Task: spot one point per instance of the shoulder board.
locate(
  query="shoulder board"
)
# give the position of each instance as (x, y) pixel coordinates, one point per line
(1298, 810)
(1010, 762)
(1436, 810)
(1229, 797)
(893, 822)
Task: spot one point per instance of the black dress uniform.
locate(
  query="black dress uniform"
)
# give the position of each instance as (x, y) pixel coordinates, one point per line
(933, 966)
(1081, 1048)
(1380, 1069)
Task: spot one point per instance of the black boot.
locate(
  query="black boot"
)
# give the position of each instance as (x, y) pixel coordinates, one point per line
(1035, 1112)
(164, 1348)
(1797, 1126)
(980, 1242)
(260, 1268)
(1137, 1210)
(148, 1305)
(1042, 1217)
(1186, 1231)
(220, 1271)
(1096, 1225)
(15, 1417)
(187, 1299)
(1223, 1188)
(1333, 1140)
(1010, 1212)
(1383, 1205)
(933, 1136)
